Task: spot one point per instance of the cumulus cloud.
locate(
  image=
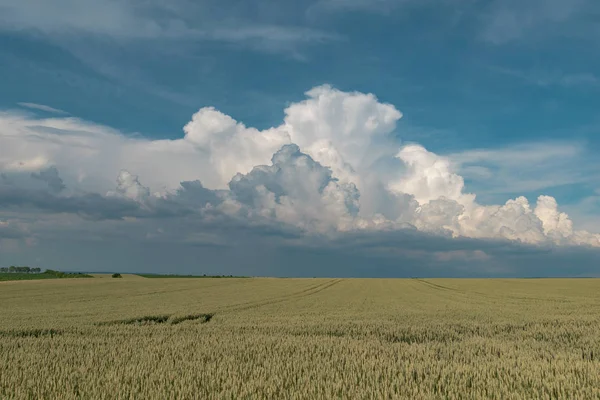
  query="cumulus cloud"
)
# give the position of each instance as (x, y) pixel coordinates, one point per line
(129, 186)
(229, 146)
(429, 177)
(333, 165)
(554, 222)
(297, 190)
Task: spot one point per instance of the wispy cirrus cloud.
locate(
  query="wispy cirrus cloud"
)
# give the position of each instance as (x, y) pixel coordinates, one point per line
(551, 78)
(41, 107)
(527, 167)
(499, 22)
(124, 21)
(375, 6)
(507, 21)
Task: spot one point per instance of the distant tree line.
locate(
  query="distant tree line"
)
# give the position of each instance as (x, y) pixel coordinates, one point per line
(19, 270)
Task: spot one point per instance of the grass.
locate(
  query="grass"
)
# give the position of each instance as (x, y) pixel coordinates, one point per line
(300, 338)
(43, 275)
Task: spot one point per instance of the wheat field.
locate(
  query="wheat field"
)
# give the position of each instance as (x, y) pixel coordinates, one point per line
(269, 338)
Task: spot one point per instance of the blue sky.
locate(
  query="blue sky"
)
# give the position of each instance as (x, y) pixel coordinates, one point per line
(507, 91)
(484, 72)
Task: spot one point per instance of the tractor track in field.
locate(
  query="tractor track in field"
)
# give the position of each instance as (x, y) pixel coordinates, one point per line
(454, 291)
(486, 296)
(280, 299)
(163, 318)
(169, 290)
(439, 287)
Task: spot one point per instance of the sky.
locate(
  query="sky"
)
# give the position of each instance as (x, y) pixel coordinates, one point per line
(386, 138)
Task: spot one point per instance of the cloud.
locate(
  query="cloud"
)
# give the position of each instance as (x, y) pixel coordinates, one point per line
(10, 230)
(501, 22)
(554, 222)
(129, 186)
(521, 154)
(333, 127)
(273, 36)
(90, 205)
(116, 18)
(384, 7)
(526, 167)
(376, 6)
(510, 20)
(190, 244)
(580, 79)
(231, 147)
(42, 107)
(52, 179)
(429, 177)
(551, 78)
(332, 169)
(297, 190)
(178, 20)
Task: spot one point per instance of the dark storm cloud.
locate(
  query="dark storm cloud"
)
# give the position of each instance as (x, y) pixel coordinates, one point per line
(51, 177)
(9, 231)
(90, 205)
(225, 245)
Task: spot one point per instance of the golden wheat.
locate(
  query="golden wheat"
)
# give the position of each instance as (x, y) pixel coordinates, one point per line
(300, 339)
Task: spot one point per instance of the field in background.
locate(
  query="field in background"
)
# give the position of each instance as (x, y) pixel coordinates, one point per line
(12, 276)
(188, 276)
(300, 338)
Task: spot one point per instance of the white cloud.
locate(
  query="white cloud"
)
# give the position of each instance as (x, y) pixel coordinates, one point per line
(338, 128)
(553, 221)
(229, 146)
(129, 186)
(429, 177)
(31, 164)
(331, 166)
(41, 107)
(298, 191)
